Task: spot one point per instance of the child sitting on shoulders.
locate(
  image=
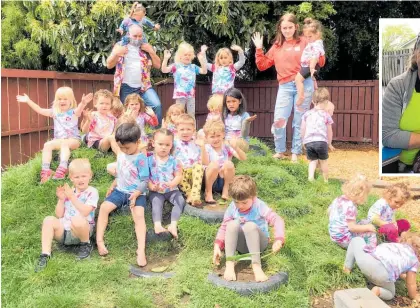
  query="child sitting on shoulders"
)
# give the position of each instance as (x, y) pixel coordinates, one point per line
(382, 212)
(75, 214)
(174, 111)
(218, 160)
(129, 188)
(343, 213)
(316, 131)
(165, 175)
(189, 152)
(245, 228)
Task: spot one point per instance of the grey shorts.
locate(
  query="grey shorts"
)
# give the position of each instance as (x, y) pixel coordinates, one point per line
(69, 238)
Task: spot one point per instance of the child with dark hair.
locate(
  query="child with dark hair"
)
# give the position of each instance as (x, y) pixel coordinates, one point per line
(129, 188)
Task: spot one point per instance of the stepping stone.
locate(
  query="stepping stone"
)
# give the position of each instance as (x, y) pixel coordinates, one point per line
(357, 298)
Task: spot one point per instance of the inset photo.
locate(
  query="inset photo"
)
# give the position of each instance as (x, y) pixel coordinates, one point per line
(399, 43)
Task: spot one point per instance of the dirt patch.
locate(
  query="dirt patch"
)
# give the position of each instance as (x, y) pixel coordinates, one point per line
(160, 261)
(243, 272)
(215, 207)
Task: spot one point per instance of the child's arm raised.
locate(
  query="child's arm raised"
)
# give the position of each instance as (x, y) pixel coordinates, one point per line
(203, 60)
(354, 227)
(83, 208)
(42, 111)
(246, 125)
(165, 67)
(59, 209)
(241, 55)
(85, 100)
(87, 119)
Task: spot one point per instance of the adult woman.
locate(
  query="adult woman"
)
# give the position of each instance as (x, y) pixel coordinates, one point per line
(400, 113)
(285, 54)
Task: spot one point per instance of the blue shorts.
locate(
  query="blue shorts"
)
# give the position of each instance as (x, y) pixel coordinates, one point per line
(217, 185)
(120, 199)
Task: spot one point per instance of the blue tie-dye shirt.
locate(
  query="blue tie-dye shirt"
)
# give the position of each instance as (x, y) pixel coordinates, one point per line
(132, 172)
(184, 79)
(162, 173)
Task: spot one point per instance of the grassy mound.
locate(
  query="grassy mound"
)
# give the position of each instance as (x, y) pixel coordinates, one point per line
(313, 262)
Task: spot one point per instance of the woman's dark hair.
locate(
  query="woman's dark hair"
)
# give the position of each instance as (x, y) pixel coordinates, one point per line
(127, 133)
(415, 58)
(235, 93)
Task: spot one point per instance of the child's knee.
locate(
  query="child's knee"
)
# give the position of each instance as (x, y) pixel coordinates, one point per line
(232, 225)
(213, 166)
(138, 215)
(78, 222)
(49, 220)
(229, 166)
(250, 227)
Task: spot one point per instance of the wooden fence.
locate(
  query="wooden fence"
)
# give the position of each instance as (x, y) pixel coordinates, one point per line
(394, 63)
(23, 132)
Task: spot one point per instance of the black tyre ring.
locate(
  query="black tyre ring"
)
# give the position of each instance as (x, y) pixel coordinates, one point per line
(151, 236)
(205, 215)
(250, 288)
(138, 272)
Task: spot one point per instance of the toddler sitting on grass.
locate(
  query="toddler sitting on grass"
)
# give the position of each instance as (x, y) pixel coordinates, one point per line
(245, 228)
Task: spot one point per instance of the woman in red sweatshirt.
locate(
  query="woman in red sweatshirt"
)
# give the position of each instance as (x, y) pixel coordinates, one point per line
(285, 54)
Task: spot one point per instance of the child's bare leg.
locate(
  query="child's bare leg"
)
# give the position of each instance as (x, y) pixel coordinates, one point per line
(66, 146)
(140, 227)
(105, 144)
(80, 228)
(311, 170)
(173, 228)
(228, 174)
(211, 173)
(47, 151)
(111, 168)
(324, 169)
(231, 241)
(300, 89)
(51, 229)
(106, 208)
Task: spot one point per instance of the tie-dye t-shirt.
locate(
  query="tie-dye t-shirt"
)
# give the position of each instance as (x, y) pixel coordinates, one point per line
(65, 124)
(382, 209)
(184, 79)
(223, 78)
(233, 125)
(143, 119)
(89, 197)
(163, 172)
(214, 116)
(225, 154)
(132, 171)
(317, 122)
(171, 127)
(187, 152)
(341, 211)
(100, 127)
(397, 259)
(312, 50)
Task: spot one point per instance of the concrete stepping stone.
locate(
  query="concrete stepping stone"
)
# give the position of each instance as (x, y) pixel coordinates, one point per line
(357, 298)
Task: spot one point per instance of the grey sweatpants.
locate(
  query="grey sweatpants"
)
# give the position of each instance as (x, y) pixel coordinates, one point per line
(372, 268)
(249, 238)
(157, 199)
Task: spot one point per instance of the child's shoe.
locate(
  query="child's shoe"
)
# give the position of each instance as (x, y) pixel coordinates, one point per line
(60, 173)
(45, 175)
(42, 262)
(84, 251)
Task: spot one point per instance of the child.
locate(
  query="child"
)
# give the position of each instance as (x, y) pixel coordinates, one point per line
(137, 16)
(382, 212)
(310, 56)
(117, 107)
(387, 263)
(129, 188)
(75, 213)
(134, 105)
(237, 120)
(101, 123)
(215, 107)
(184, 74)
(343, 212)
(224, 71)
(189, 152)
(65, 113)
(316, 131)
(218, 158)
(174, 111)
(245, 227)
(165, 175)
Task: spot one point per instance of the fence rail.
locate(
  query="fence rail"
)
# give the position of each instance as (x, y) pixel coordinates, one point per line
(23, 131)
(394, 63)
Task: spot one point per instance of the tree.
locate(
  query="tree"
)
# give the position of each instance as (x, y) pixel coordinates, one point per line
(393, 36)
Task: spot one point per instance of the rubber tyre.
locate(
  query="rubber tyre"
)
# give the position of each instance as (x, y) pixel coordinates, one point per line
(139, 273)
(250, 288)
(151, 236)
(211, 217)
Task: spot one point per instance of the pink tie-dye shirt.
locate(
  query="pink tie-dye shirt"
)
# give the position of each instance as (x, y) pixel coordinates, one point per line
(187, 152)
(341, 211)
(382, 209)
(65, 124)
(317, 122)
(226, 153)
(100, 127)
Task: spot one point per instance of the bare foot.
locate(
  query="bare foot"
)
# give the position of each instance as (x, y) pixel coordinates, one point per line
(173, 230)
(258, 273)
(294, 158)
(230, 271)
(403, 276)
(376, 291)
(208, 198)
(278, 156)
(102, 248)
(346, 270)
(159, 229)
(196, 202)
(141, 258)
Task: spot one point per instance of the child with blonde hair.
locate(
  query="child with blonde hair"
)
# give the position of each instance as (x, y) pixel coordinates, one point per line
(100, 124)
(224, 70)
(189, 152)
(184, 73)
(343, 213)
(382, 212)
(312, 30)
(174, 111)
(245, 228)
(215, 107)
(65, 113)
(316, 132)
(138, 17)
(217, 157)
(75, 214)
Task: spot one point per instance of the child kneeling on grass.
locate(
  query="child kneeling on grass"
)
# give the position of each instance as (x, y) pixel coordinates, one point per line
(218, 158)
(129, 188)
(75, 213)
(245, 227)
(388, 262)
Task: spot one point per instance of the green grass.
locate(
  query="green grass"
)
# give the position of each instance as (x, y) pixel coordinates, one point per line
(314, 263)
